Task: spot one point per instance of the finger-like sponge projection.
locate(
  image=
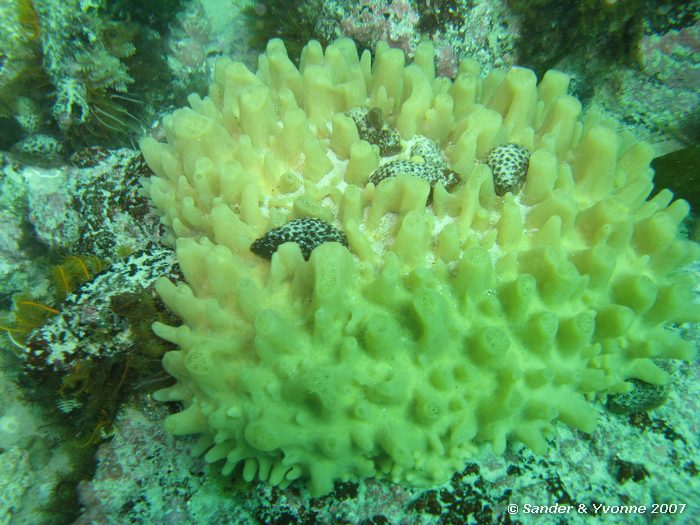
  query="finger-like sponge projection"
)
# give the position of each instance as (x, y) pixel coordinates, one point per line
(434, 314)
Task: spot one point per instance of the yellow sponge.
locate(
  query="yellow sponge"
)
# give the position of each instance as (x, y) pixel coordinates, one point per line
(437, 317)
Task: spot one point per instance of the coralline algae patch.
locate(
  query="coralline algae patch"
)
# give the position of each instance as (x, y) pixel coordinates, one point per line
(460, 313)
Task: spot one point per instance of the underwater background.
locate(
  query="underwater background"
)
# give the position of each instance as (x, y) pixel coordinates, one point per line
(81, 81)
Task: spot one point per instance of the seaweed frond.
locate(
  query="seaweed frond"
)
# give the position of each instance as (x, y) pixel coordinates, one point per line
(28, 20)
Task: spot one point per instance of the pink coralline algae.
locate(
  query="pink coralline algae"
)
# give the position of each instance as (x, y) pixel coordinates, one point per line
(370, 21)
(138, 475)
(672, 58)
